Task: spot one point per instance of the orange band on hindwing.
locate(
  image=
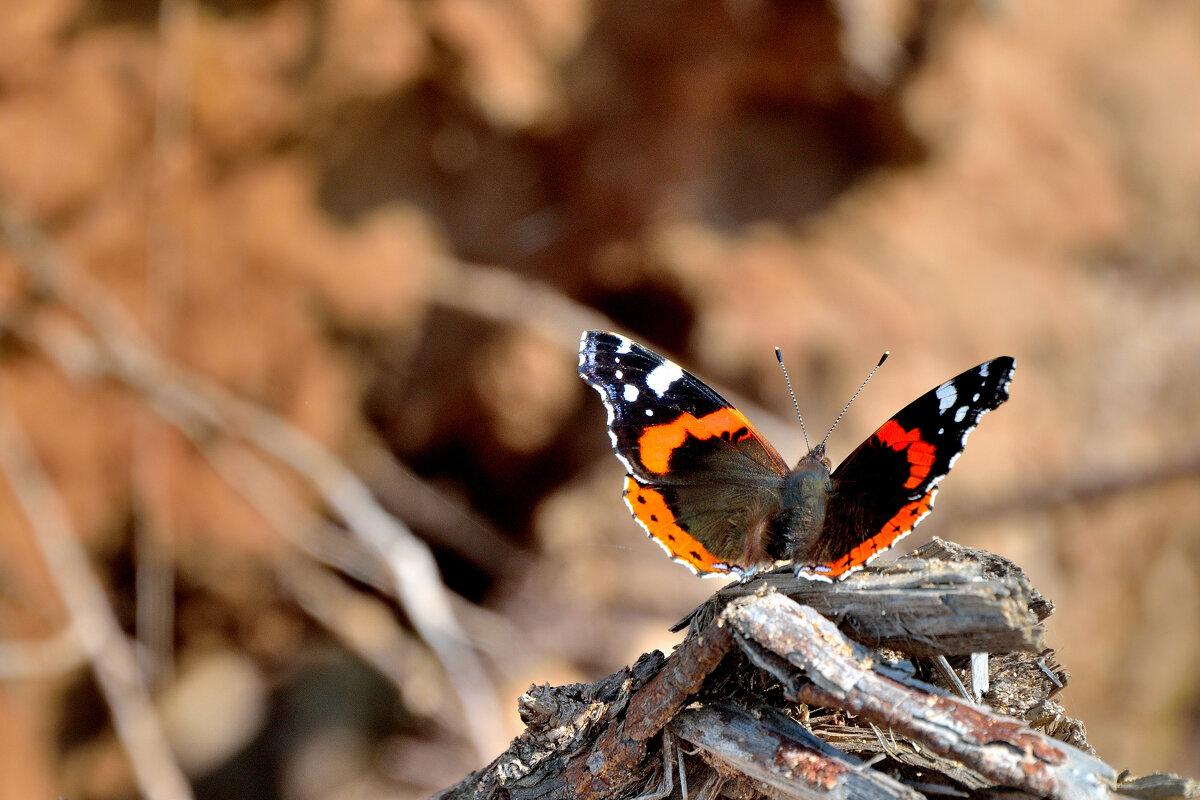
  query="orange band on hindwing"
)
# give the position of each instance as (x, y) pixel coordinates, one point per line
(899, 525)
(650, 509)
(659, 442)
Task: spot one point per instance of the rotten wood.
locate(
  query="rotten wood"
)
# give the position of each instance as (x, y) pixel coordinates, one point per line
(992, 565)
(935, 601)
(1159, 787)
(777, 752)
(835, 672)
(767, 698)
(611, 762)
(561, 722)
(609, 768)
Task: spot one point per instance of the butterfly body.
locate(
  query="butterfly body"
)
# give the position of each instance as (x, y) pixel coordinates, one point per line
(719, 498)
(803, 496)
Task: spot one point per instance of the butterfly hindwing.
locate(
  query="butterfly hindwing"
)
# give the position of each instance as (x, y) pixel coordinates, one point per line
(887, 485)
(701, 479)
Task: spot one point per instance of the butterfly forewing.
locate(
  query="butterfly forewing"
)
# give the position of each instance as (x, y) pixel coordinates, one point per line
(887, 485)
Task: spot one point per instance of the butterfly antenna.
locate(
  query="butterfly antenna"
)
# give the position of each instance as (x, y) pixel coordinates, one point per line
(779, 356)
(882, 359)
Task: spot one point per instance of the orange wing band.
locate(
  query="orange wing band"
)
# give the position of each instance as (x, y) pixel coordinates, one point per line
(650, 509)
(920, 453)
(899, 525)
(658, 442)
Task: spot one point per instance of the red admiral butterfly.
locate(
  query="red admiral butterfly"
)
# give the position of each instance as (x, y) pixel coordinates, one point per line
(719, 498)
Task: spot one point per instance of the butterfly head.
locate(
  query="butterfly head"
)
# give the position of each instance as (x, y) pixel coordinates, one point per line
(815, 456)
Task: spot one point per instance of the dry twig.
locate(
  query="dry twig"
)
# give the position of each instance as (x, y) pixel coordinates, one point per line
(501, 296)
(112, 657)
(775, 751)
(38, 659)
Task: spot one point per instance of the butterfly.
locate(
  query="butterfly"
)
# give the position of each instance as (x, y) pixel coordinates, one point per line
(720, 499)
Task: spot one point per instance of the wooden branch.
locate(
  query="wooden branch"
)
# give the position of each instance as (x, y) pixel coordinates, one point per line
(562, 723)
(113, 659)
(610, 767)
(838, 673)
(927, 604)
(778, 752)
(1078, 491)
(1160, 787)
(41, 658)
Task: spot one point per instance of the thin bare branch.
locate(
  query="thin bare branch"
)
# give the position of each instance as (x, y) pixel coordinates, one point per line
(41, 658)
(441, 520)
(166, 263)
(112, 657)
(1094, 486)
(366, 627)
(502, 296)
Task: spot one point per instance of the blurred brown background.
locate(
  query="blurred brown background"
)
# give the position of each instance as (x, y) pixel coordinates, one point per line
(259, 258)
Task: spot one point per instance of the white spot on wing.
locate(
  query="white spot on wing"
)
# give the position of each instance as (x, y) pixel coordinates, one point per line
(961, 414)
(625, 346)
(983, 369)
(631, 393)
(649, 412)
(619, 374)
(662, 376)
(947, 396)
(975, 398)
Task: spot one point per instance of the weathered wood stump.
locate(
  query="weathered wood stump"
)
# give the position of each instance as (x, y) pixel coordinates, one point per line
(786, 688)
